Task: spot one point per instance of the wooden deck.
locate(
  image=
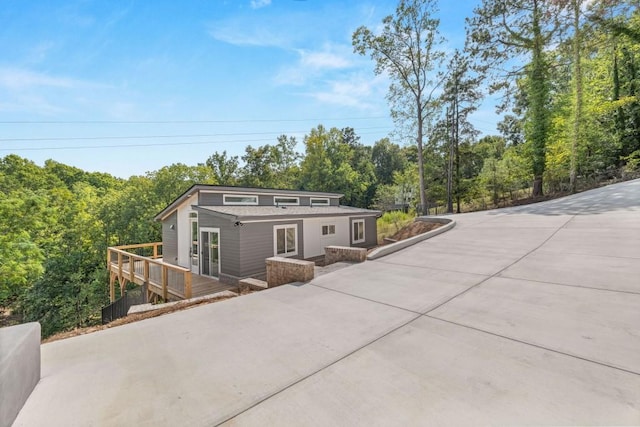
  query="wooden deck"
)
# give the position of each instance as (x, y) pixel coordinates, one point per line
(168, 281)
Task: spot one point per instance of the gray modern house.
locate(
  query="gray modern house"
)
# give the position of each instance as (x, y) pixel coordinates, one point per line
(226, 232)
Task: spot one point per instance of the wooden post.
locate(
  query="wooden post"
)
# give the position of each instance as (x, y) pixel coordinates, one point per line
(112, 286)
(120, 275)
(187, 285)
(146, 271)
(132, 269)
(155, 251)
(165, 276)
(112, 291)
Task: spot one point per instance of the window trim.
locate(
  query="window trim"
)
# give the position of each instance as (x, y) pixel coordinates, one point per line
(325, 199)
(353, 235)
(276, 203)
(322, 233)
(275, 240)
(225, 202)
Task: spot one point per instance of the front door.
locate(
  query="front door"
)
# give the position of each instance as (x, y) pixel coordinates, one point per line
(210, 252)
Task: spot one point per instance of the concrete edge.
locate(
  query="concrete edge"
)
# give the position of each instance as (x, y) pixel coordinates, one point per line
(19, 368)
(395, 247)
(143, 308)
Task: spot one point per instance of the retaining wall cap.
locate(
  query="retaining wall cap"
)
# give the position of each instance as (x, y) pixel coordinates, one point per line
(395, 247)
(350, 248)
(289, 260)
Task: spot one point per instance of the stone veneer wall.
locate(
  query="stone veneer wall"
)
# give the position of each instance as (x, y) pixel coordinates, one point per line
(334, 254)
(286, 270)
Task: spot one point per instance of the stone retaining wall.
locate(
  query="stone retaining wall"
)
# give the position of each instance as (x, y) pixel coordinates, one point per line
(334, 254)
(287, 270)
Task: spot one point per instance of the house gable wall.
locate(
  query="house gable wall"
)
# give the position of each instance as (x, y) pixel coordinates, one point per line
(170, 239)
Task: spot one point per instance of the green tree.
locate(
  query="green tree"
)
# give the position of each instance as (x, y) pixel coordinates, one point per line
(225, 168)
(387, 158)
(271, 166)
(461, 94)
(407, 49)
(328, 165)
(501, 30)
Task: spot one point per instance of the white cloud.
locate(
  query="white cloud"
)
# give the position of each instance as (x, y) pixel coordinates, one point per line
(246, 35)
(29, 103)
(257, 4)
(357, 90)
(24, 90)
(324, 60)
(312, 65)
(17, 79)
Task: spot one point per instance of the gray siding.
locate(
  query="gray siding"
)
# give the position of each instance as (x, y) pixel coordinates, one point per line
(229, 242)
(256, 244)
(370, 232)
(217, 199)
(209, 199)
(333, 201)
(170, 239)
(265, 200)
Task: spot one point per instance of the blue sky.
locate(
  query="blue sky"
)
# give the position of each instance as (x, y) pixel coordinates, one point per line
(233, 72)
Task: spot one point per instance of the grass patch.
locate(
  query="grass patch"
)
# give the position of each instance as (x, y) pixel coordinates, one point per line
(391, 222)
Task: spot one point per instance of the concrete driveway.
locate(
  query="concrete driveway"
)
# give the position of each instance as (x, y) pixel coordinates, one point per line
(528, 315)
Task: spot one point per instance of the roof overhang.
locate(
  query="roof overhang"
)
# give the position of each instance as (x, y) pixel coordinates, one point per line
(316, 212)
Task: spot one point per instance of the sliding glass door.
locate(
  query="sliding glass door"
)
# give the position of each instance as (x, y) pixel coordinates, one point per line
(210, 254)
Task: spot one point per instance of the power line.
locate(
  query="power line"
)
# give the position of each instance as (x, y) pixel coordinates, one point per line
(182, 121)
(84, 138)
(87, 147)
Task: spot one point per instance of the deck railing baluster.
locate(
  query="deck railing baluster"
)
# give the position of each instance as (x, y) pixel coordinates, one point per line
(164, 279)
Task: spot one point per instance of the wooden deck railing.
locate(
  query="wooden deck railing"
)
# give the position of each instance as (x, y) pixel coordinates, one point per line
(163, 279)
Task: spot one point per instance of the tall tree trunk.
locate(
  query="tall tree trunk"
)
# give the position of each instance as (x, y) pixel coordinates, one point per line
(538, 100)
(450, 165)
(424, 209)
(577, 76)
(620, 116)
(457, 150)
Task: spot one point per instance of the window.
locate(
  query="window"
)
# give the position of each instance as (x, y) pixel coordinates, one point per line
(358, 231)
(328, 229)
(284, 201)
(193, 214)
(319, 202)
(240, 199)
(285, 240)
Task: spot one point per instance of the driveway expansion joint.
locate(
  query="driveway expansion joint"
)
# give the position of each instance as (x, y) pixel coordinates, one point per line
(497, 273)
(606, 365)
(317, 371)
(594, 288)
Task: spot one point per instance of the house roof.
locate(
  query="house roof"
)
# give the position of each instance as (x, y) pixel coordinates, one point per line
(233, 189)
(253, 213)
